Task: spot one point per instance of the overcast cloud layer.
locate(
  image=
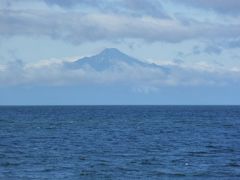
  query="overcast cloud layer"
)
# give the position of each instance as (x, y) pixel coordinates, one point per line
(121, 20)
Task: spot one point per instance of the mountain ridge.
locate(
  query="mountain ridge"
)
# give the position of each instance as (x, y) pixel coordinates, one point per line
(110, 58)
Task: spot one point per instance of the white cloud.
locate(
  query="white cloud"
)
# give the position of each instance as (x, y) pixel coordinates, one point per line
(139, 78)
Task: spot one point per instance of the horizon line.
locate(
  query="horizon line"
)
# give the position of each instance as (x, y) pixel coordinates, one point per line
(12, 105)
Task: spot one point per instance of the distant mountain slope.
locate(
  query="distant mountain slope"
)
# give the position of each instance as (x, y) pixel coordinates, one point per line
(110, 59)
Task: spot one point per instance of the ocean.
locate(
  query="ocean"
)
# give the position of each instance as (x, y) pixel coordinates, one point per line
(119, 142)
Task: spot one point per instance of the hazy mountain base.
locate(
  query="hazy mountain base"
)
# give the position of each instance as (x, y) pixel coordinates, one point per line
(112, 77)
(114, 67)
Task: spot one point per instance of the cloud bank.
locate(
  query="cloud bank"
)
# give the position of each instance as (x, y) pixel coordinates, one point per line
(56, 74)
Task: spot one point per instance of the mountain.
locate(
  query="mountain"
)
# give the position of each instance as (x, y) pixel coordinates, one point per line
(111, 59)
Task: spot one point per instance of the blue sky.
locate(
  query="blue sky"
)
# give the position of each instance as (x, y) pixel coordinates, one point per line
(199, 39)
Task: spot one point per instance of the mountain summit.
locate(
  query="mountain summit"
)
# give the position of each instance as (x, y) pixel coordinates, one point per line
(111, 52)
(110, 59)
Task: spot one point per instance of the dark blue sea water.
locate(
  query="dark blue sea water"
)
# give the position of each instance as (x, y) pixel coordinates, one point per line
(120, 142)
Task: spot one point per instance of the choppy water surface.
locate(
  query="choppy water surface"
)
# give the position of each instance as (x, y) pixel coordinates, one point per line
(119, 142)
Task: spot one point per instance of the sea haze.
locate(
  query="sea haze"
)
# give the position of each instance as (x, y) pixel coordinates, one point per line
(112, 77)
(119, 142)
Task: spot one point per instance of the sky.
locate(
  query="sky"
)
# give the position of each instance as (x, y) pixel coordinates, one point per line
(198, 39)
